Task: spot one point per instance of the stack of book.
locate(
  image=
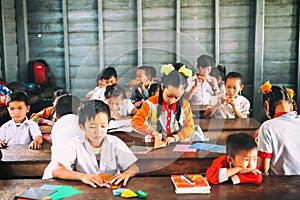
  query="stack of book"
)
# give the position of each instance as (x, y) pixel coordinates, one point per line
(190, 183)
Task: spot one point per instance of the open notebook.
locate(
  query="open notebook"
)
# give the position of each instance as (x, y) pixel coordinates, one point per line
(120, 125)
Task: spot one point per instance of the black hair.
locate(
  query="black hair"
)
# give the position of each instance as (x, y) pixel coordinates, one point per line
(236, 75)
(205, 61)
(153, 88)
(18, 96)
(58, 93)
(67, 104)
(278, 94)
(89, 109)
(177, 66)
(107, 73)
(149, 70)
(239, 142)
(114, 90)
(175, 79)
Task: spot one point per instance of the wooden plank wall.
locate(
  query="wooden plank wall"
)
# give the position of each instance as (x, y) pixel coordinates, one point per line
(195, 19)
(9, 41)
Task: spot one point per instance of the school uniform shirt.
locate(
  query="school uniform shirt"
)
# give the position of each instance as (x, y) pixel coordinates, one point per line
(23, 133)
(144, 121)
(279, 139)
(65, 129)
(226, 111)
(217, 173)
(203, 92)
(126, 107)
(98, 94)
(78, 154)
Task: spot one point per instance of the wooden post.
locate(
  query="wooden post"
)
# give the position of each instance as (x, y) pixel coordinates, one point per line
(66, 45)
(100, 35)
(178, 33)
(22, 39)
(140, 32)
(217, 32)
(258, 59)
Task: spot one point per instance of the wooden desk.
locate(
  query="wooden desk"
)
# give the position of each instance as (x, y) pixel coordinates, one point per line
(165, 161)
(218, 129)
(20, 162)
(275, 187)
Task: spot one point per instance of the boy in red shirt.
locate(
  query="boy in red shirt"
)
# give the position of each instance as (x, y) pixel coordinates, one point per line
(240, 163)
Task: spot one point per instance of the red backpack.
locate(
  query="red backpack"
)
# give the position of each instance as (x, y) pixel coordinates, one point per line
(38, 72)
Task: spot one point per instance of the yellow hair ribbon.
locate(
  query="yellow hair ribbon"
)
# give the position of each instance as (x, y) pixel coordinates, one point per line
(266, 87)
(185, 71)
(291, 92)
(166, 69)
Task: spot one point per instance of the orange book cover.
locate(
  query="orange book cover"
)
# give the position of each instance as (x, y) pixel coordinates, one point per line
(183, 186)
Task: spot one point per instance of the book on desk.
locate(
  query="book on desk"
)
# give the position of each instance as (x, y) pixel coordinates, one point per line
(190, 183)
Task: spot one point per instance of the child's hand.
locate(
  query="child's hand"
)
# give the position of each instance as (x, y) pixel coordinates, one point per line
(35, 145)
(169, 140)
(115, 115)
(138, 103)
(3, 144)
(93, 180)
(133, 83)
(157, 134)
(231, 101)
(120, 177)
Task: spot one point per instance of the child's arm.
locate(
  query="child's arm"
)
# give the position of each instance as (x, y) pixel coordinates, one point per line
(94, 180)
(36, 143)
(139, 119)
(188, 95)
(188, 126)
(245, 175)
(264, 164)
(44, 116)
(130, 172)
(212, 109)
(238, 112)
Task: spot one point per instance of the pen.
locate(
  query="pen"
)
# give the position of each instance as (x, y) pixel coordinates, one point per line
(184, 176)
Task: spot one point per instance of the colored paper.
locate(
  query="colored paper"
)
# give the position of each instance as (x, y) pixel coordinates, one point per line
(128, 193)
(184, 148)
(63, 192)
(49, 186)
(118, 192)
(141, 194)
(36, 193)
(209, 147)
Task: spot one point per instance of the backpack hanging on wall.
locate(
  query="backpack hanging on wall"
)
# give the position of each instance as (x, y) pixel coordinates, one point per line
(38, 72)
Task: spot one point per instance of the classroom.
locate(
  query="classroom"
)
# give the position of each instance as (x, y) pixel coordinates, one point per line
(252, 42)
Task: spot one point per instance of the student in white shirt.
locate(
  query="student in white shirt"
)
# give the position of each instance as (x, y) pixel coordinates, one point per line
(84, 158)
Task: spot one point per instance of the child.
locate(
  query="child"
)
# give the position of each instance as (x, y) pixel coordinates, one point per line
(154, 89)
(203, 86)
(109, 77)
(95, 153)
(219, 73)
(100, 85)
(232, 105)
(66, 126)
(141, 85)
(239, 163)
(47, 116)
(168, 114)
(120, 107)
(278, 138)
(20, 130)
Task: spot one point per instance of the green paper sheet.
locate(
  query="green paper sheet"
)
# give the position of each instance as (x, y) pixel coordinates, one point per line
(63, 192)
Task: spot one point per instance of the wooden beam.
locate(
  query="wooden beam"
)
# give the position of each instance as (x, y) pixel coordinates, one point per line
(100, 35)
(258, 59)
(178, 31)
(298, 71)
(66, 45)
(140, 32)
(22, 39)
(217, 32)
(3, 43)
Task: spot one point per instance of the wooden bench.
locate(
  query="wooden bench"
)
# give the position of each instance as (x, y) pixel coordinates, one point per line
(218, 129)
(272, 187)
(21, 162)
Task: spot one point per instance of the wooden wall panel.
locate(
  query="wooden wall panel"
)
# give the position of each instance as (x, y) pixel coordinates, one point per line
(281, 43)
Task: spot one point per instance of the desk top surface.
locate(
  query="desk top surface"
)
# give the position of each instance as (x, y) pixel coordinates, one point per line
(228, 124)
(275, 187)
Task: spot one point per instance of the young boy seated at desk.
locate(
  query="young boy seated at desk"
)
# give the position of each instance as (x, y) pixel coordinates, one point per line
(20, 130)
(46, 117)
(240, 163)
(94, 153)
